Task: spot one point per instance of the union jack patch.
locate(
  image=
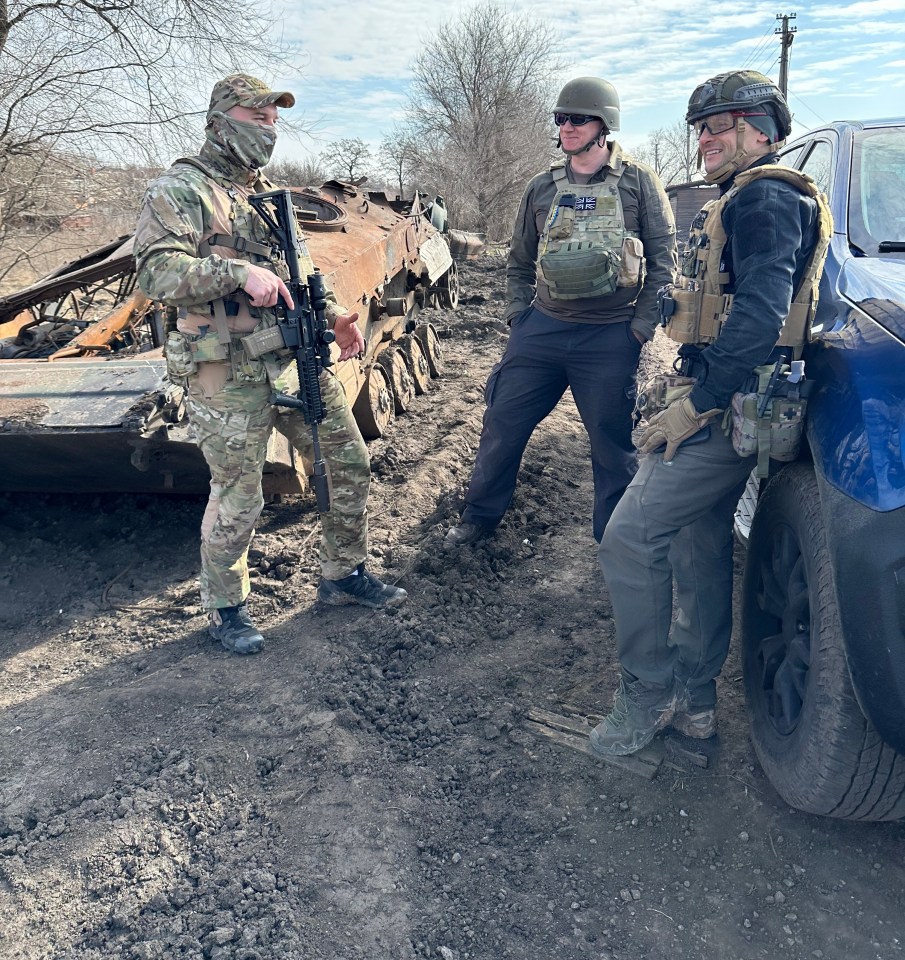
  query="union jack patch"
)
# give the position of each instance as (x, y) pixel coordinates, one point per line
(585, 203)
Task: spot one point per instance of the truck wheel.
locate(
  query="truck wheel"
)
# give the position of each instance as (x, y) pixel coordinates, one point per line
(813, 741)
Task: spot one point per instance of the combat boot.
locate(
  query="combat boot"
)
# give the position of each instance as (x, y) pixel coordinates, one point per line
(464, 533)
(360, 587)
(700, 724)
(234, 628)
(639, 713)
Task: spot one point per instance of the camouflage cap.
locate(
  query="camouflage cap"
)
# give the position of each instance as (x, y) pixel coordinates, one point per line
(241, 90)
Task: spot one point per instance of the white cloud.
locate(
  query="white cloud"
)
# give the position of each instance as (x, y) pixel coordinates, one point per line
(356, 60)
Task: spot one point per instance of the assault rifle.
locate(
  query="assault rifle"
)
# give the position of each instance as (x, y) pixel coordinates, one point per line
(303, 327)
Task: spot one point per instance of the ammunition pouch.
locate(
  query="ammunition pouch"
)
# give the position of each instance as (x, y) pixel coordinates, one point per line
(659, 392)
(185, 351)
(690, 316)
(770, 426)
(265, 340)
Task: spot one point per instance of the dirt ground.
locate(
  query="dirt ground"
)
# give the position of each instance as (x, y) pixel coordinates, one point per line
(370, 788)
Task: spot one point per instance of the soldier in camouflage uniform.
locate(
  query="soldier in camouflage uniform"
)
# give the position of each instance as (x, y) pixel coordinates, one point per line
(200, 247)
(593, 239)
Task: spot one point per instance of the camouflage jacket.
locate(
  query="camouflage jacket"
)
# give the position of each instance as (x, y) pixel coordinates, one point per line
(180, 209)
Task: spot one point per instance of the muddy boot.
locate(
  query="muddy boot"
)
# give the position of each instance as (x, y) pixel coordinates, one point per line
(464, 533)
(361, 587)
(639, 713)
(700, 724)
(234, 628)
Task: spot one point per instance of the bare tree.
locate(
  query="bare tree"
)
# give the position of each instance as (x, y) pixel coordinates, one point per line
(347, 159)
(480, 107)
(671, 151)
(107, 81)
(294, 173)
(399, 152)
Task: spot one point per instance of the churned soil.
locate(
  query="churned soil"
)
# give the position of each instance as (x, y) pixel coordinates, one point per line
(370, 788)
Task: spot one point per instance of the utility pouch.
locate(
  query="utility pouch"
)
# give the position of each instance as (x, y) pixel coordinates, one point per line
(631, 269)
(659, 392)
(180, 360)
(678, 313)
(207, 348)
(774, 434)
(246, 369)
(579, 269)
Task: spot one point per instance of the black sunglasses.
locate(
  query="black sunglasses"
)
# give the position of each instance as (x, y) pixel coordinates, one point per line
(576, 119)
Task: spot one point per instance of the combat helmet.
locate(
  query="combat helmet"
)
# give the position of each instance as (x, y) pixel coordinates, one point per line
(742, 90)
(591, 96)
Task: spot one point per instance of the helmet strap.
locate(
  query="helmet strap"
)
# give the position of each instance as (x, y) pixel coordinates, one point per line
(598, 141)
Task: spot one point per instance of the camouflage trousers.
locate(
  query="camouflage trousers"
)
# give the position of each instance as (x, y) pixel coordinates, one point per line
(232, 425)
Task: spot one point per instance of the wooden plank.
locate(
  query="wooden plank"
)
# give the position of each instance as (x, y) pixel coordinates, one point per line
(574, 720)
(644, 764)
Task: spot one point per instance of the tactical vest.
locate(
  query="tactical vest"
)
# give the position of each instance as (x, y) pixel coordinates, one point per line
(696, 307)
(236, 232)
(585, 250)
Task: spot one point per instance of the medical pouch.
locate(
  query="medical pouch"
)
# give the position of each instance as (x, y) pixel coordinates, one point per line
(775, 435)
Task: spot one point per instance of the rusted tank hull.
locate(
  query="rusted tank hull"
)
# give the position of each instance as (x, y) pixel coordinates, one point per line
(84, 401)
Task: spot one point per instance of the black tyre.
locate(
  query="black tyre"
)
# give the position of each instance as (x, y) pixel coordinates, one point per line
(813, 741)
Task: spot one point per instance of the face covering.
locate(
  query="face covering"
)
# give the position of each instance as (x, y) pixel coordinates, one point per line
(248, 144)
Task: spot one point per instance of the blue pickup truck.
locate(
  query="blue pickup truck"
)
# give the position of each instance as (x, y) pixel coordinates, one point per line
(823, 607)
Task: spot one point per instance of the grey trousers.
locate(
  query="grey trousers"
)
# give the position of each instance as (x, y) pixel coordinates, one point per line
(675, 521)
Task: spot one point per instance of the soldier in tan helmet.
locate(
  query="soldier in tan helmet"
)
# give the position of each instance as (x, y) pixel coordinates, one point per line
(201, 247)
(593, 240)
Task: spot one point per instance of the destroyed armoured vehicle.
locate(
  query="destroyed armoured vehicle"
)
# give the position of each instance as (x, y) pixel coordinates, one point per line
(84, 403)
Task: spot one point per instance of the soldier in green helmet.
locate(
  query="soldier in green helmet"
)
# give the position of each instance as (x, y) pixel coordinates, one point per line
(593, 240)
(200, 247)
(741, 306)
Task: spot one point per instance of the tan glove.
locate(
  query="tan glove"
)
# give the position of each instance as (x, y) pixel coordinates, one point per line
(676, 423)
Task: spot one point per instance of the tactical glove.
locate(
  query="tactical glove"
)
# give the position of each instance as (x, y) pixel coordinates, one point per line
(676, 423)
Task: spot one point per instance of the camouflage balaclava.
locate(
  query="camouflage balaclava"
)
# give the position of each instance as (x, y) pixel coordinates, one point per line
(247, 144)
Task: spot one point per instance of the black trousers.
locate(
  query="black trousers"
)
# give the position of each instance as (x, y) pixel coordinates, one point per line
(544, 357)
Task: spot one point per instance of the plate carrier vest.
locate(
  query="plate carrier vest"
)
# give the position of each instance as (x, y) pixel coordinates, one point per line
(234, 317)
(582, 244)
(699, 304)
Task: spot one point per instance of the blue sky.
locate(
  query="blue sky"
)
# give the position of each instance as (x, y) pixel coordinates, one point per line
(847, 60)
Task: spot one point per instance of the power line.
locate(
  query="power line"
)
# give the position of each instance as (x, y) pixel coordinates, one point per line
(756, 51)
(810, 109)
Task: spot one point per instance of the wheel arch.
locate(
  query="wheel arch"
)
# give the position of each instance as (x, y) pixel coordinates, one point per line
(867, 549)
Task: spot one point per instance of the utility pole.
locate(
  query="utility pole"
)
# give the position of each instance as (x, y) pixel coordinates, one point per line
(787, 35)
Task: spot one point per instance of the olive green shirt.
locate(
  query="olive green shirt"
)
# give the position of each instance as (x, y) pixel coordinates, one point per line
(647, 214)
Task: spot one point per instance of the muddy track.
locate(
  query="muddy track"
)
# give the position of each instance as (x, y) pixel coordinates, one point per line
(369, 787)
